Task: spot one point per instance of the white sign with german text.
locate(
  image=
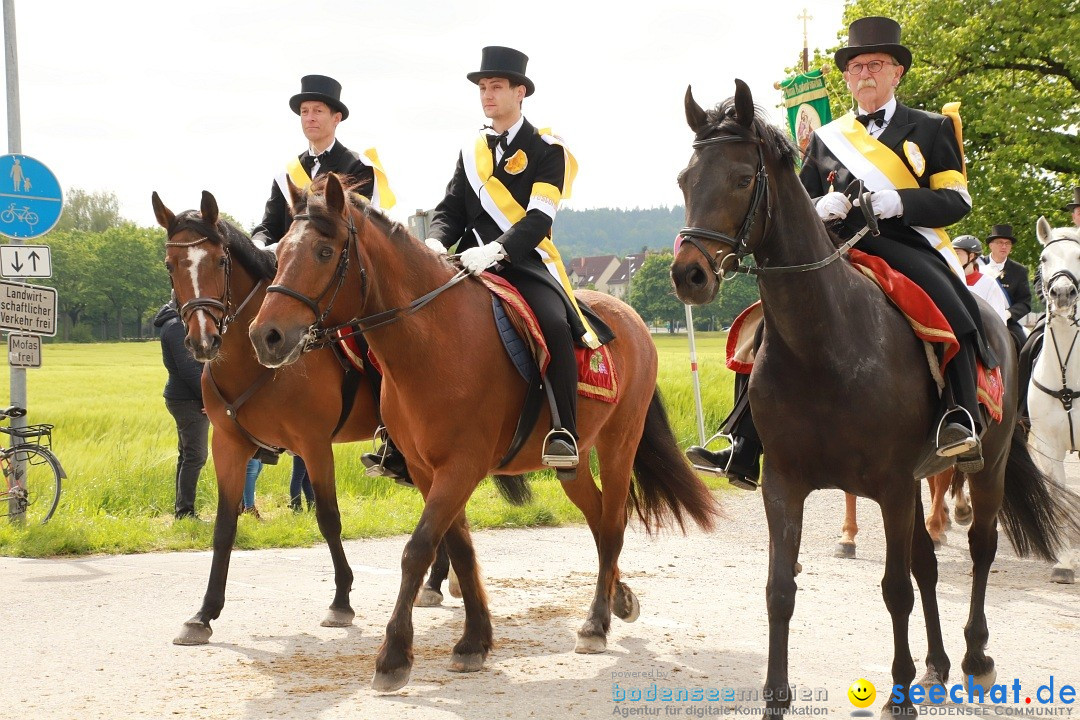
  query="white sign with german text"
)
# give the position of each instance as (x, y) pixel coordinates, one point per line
(27, 308)
(24, 350)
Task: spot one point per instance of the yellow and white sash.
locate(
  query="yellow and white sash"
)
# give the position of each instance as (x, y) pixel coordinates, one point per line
(881, 169)
(501, 206)
(382, 196)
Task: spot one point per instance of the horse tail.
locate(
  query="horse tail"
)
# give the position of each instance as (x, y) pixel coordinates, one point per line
(665, 485)
(514, 489)
(1037, 513)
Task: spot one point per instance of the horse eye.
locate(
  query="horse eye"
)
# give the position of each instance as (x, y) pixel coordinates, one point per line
(326, 252)
(168, 266)
(745, 182)
(221, 261)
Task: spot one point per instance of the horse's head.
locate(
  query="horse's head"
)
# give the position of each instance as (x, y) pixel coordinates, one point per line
(313, 269)
(1060, 265)
(199, 265)
(726, 190)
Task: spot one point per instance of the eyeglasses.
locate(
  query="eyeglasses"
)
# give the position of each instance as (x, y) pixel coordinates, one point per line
(874, 66)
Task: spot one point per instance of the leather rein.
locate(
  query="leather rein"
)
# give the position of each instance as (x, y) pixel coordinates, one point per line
(738, 243)
(318, 336)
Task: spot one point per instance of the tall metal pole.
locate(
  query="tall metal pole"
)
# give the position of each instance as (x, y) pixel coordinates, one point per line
(805, 43)
(14, 123)
(694, 374)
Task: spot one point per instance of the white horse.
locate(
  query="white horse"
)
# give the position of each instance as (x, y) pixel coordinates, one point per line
(1054, 391)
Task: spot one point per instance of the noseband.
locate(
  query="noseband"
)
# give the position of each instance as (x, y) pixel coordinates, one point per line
(694, 235)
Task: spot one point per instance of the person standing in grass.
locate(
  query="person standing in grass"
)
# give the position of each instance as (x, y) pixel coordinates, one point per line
(183, 399)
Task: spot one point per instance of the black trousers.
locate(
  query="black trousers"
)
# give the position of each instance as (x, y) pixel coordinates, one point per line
(192, 428)
(551, 314)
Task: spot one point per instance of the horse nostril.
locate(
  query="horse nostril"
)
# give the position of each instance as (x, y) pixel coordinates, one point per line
(273, 337)
(696, 277)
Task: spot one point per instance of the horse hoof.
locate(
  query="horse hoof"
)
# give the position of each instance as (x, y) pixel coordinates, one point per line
(454, 586)
(903, 710)
(931, 678)
(1063, 575)
(939, 543)
(427, 597)
(590, 644)
(963, 516)
(338, 617)
(626, 606)
(845, 550)
(388, 682)
(194, 632)
(471, 662)
(797, 567)
(986, 680)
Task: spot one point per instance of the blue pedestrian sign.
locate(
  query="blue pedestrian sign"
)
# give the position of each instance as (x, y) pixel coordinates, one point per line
(30, 197)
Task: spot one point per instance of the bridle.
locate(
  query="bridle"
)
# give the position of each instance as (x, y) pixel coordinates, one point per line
(1063, 273)
(318, 336)
(1066, 395)
(223, 305)
(738, 244)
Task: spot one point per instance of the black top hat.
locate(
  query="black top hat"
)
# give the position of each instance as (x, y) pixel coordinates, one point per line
(873, 35)
(1076, 200)
(503, 62)
(322, 88)
(1001, 231)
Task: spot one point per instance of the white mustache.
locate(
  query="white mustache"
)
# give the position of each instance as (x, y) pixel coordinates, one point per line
(866, 83)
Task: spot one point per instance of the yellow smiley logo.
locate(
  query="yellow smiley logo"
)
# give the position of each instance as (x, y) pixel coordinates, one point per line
(862, 693)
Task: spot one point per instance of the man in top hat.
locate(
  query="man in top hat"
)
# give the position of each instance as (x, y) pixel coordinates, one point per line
(1012, 275)
(1074, 207)
(498, 211)
(320, 109)
(912, 162)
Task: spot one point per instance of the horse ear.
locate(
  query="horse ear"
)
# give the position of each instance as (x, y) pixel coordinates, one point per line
(163, 214)
(744, 104)
(1043, 230)
(295, 194)
(209, 208)
(335, 195)
(695, 116)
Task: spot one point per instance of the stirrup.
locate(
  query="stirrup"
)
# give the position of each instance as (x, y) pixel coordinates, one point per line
(560, 461)
(961, 446)
(380, 434)
(711, 469)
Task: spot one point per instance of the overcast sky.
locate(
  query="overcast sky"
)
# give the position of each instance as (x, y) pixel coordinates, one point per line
(131, 96)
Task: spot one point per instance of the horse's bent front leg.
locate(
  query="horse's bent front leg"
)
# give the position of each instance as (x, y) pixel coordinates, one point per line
(231, 463)
(430, 594)
(784, 511)
(477, 639)
(320, 466)
(924, 568)
(846, 547)
(938, 518)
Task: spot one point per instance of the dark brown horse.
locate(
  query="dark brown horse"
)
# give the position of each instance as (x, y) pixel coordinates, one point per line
(842, 394)
(220, 278)
(451, 399)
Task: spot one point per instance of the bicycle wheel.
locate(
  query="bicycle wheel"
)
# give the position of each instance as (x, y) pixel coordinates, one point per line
(38, 471)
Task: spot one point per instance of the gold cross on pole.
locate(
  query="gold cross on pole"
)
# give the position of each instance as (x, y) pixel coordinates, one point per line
(805, 17)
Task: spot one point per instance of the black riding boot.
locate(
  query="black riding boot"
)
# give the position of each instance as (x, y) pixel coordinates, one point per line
(387, 461)
(740, 463)
(560, 447)
(960, 429)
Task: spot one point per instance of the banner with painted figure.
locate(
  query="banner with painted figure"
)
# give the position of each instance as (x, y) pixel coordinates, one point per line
(807, 103)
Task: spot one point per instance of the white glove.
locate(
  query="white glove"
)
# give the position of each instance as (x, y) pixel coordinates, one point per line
(478, 259)
(832, 206)
(435, 245)
(887, 204)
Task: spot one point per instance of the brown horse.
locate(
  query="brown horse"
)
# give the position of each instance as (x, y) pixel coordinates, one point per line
(842, 394)
(220, 278)
(451, 398)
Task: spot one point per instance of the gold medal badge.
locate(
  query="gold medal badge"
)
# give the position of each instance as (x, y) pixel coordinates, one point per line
(516, 162)
(915, 158)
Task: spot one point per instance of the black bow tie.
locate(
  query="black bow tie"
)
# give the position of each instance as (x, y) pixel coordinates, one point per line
(879, 116)
(499, 140)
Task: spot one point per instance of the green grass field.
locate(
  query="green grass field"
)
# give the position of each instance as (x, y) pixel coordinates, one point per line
(117, 443)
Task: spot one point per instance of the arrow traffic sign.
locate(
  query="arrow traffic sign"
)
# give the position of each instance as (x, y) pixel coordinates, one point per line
(25, 261)
(28, 308)
(30, 197)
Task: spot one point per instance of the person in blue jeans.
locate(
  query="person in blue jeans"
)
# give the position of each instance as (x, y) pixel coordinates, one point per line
(247, 505)
(300, 481)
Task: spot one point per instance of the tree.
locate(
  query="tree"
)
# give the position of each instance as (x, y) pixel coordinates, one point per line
(90, 211)
(652, 293)
(127, 271)
(1014, 67)
(71, 262)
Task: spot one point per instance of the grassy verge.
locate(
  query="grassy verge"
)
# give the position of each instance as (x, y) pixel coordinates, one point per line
(118, 445)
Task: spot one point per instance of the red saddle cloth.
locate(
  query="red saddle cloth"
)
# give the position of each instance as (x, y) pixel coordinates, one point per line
(597, 377)
(911, 300)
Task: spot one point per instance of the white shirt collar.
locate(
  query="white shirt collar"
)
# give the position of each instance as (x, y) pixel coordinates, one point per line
(311, 150)
(513, 131)
(890, 110)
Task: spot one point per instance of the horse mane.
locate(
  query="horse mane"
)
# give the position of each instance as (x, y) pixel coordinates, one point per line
(259, 262)
(776, 142)
(325, 223)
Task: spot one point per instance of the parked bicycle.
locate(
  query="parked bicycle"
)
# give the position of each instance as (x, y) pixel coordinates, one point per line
(32, 472)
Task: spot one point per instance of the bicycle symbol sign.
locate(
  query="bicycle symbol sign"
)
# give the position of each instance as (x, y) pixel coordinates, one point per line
(30, 197)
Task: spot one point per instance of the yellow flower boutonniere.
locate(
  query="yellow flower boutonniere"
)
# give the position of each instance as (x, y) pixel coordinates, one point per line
(516, 162)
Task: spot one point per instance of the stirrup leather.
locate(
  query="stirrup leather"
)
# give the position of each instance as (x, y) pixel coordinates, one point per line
(560, 461)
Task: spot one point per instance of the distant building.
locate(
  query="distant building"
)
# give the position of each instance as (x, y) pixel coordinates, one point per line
(619, 284)
(593, 272)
